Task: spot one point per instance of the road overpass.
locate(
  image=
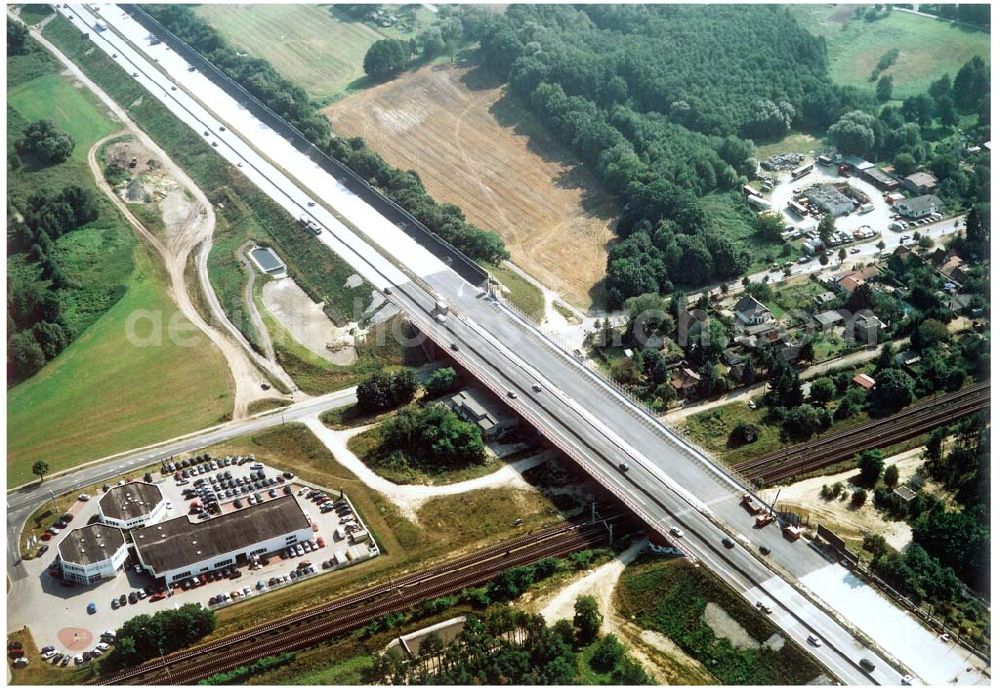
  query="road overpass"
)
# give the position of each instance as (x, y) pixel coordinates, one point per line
(669, 483)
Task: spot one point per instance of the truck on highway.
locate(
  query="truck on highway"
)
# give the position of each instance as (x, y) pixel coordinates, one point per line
(791, 533)
(440, 308)
(750, 504)
(764, 519)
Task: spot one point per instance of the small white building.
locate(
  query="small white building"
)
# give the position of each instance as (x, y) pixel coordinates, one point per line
(92, 553)
(178, 549)
(131, 505)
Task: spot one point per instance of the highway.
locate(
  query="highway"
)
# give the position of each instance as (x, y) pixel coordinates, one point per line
(668, 482)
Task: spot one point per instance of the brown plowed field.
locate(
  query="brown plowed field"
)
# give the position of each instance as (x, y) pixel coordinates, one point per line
(478, 149)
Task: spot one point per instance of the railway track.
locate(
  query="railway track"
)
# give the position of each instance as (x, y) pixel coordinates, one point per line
(348, 613)
(917, 419)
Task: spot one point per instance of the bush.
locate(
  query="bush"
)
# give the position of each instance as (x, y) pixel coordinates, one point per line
(382, 391)
(608, 655)
(859, 497)
(587, 619)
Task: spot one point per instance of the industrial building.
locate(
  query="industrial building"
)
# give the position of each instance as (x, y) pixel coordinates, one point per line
(918, 207)
(179, 548)
(830, 200)
(92, 553)
(132, 505)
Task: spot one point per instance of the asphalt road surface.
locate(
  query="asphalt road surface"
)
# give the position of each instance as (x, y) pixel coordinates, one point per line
(668, 483)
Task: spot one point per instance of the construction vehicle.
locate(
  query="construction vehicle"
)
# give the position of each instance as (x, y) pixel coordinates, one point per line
(750, 504)
(440, 308)
(134, 162)
(791, 533)
(764, 519)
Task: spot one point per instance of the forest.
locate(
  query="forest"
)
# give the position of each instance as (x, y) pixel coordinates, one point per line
(291, 102)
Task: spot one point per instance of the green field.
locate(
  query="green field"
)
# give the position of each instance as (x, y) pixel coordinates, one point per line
(103, 395)
(928, 47)
(321, 52)
(55, 98)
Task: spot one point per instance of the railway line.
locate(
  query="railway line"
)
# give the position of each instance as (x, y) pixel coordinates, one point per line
(347, 613)
(924, 416)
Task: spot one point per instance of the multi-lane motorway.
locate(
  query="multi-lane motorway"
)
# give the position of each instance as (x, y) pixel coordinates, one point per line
(668, 482)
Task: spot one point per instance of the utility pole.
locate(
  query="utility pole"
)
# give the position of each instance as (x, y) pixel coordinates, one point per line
(593, 511)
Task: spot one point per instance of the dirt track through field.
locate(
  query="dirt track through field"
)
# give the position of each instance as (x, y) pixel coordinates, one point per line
(470, 146)
(195, 228)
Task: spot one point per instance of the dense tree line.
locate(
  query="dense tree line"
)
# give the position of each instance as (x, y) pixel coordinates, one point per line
(433, 435)
(659, 101)
(36, 329)
(382, 391)
(46, 142)
(17, 37)
(292, 103)
(146, 636)
(503, 646)
(921, 132)
(978, 14)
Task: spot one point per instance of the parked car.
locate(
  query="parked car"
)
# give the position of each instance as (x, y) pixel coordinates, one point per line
(92, 608)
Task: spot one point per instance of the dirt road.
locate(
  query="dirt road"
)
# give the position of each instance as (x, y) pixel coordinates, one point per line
(258, 322)
(198, 230)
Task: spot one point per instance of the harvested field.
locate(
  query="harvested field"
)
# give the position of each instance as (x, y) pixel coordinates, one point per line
(477, 148)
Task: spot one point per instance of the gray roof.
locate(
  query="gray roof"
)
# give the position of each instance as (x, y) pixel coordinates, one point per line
(829, 317)
(90, 544)
(922, 179)
(923, 202)
(748, 306)
(131, 500)
(177, 543)
(477, 407)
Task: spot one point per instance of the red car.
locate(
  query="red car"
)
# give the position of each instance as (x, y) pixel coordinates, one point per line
(320, 543)
(157, 597)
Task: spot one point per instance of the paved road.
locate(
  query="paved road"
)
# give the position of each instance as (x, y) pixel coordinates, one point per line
(669, 482)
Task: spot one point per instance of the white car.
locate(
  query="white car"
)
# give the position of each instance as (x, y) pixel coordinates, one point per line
(751, 404)
(170, 506)
(83, 497)
(814, 641)
(677, 531)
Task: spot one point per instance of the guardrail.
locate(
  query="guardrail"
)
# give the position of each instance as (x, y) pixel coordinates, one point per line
(449, 254)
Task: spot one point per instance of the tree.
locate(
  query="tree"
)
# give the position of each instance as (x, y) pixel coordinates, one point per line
(770, 226)
(875, 544)
(891, 476)
(47, 142)
(40, 469)
(440, 382)
(586, 618)
(743, 433)
(893, 390)
(904, 164)
(883, 90)
(386, 58)
(859, 497)
(870, 464)
(972, 84)
(854, 133)
(608, 654)
(381, 391)
(826, 229)
(930, 333)
(24, 356)
(17, 37)
(977, 231)
(842, 254)
(786, 391)
(822, 390)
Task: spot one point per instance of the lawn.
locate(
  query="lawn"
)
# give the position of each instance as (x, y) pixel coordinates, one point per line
(797, 142)
(317, 46)
(401, 468)
(928, 47)
(72, 108)
(128, 395)
(671, 596)
(710, 429)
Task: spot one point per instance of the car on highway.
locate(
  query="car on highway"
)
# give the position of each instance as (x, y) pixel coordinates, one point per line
(764, 550)
(764, 607)
(677, 531)
(867, 664)
(814, 641)
(511, 394)
(907, 680)
(623, 466)
(536, 387)
(729, 543)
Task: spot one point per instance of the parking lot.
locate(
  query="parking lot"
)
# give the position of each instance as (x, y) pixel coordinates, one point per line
(57, 611)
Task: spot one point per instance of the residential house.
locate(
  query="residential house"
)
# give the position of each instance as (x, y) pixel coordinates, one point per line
(920, 183)
(685, 382)
(955, 268)
(907, 359)
(824, 298)
(750, 311)
(852, 280)
(917, 207)
(866, 327)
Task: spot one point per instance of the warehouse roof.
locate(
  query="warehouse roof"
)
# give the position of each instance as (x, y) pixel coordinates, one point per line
(90, 544)
(177, 543)
(134, 499)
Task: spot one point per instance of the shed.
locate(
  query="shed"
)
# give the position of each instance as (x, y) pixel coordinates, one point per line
(864, 380)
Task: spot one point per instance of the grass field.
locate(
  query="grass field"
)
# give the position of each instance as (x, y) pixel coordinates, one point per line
(56, 98)
(319, 48)
(480, 150)
(671, 596)
(523, 293)
(102, 394)
(928, 48)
